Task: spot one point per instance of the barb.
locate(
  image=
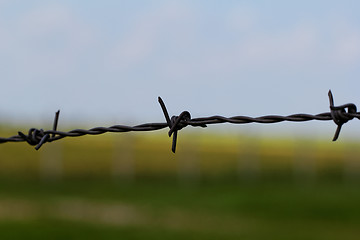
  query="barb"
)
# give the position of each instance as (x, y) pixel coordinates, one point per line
(39, 137)
(176, 123)
(339, 114)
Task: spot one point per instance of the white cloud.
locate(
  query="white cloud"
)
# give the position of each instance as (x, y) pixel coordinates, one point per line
(346, 44)
(241, 18)
(296, 47)
(148, 33)
(348, 49)
(303, 46)
(47, 41)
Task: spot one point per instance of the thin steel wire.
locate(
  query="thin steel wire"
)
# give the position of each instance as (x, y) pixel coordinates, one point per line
(38, 137)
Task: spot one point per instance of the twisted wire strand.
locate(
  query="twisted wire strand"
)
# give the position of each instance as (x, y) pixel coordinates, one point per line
(38, 137)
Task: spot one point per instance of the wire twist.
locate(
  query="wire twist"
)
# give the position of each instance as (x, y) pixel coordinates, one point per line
(340, 115)
(176, 123)
(38, 137)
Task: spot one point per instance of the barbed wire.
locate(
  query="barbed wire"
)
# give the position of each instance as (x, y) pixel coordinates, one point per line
(37, 137)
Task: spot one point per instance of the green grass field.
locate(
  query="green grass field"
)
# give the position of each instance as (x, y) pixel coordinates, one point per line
(93, 209)
(202, 192)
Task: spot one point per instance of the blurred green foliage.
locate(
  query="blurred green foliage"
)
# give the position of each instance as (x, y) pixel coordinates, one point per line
(215, 187)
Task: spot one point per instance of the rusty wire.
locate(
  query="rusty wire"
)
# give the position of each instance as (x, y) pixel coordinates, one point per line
(37, 137)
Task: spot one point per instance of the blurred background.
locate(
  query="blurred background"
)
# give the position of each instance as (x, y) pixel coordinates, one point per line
(105, 63)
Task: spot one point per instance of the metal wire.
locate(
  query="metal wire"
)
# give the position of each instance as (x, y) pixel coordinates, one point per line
(37, 137)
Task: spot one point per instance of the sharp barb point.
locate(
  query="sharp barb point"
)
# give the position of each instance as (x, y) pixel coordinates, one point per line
(173, 147)
(166, 114)
(56, 121)
(337, 133)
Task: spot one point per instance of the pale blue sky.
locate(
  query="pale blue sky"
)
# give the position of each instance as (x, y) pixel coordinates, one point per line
(106, 62)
